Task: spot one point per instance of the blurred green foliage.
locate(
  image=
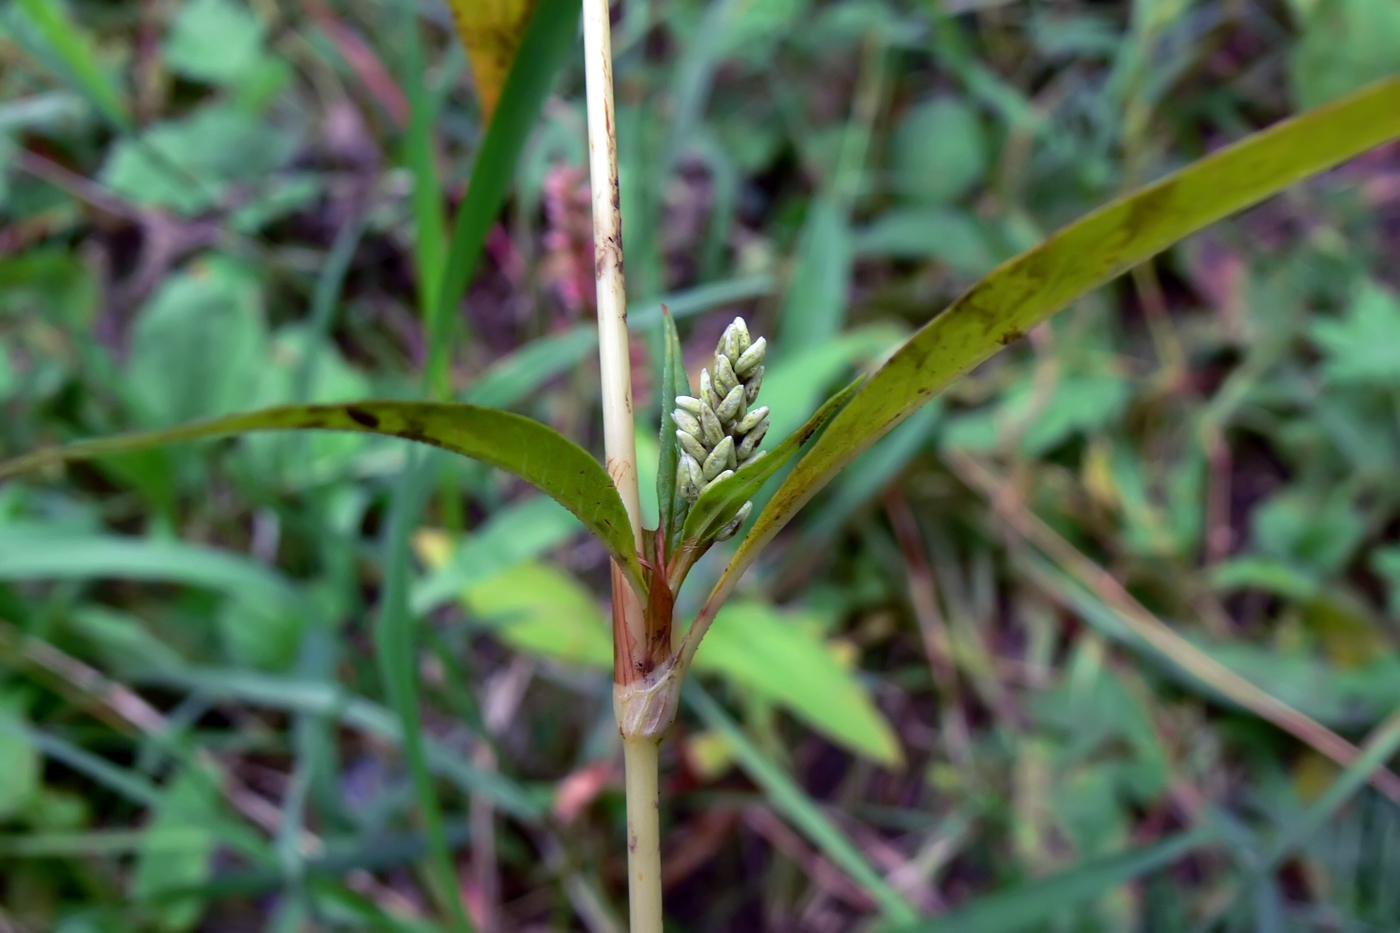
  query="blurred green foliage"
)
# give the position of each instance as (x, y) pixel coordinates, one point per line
(208, 207)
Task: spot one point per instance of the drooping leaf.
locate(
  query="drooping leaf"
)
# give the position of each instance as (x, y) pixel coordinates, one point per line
(674, 381)
(533, 451)
(491, 31)
(1024, 291)
(720, 503)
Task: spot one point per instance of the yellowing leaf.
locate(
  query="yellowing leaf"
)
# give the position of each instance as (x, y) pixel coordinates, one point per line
(783, 657)
(491, 30)
(543, 611)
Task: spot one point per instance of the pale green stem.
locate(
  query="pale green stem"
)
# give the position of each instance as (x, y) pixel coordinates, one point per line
(620, 444)
(643, 832)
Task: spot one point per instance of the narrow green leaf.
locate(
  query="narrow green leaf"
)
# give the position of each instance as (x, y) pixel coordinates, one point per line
(1029, 288)
(719, 504)
(394, 642)
(430, 224)
(78, 55)
(33, 552)
(1381, 745)
(542, 52)
(815, 306)
(1031, 906)
(793, 803)
(533, 451)
(674, 381)
(354, 712)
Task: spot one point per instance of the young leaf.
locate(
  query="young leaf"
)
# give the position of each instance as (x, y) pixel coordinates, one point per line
(1029, 288)
(719, 504)
(536, 453)
(674, 381)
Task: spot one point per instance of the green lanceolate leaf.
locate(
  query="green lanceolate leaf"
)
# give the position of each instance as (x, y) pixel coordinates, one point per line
(542, 51)
(1026, 290)
(532, 451)
(718, 505)
(674, 381)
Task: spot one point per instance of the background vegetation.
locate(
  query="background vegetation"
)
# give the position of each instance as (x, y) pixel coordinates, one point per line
(1078, 647)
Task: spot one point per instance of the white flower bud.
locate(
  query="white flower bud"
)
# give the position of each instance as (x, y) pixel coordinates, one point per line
(689, 479)
(732, 408)
(711, 431)
(687, 422)
(751, 358)
(692, 446)
(716, 481)
(707, 390)
(753, 439)
(731, 529)
(752, 383)
(725, 378)
(751, 420)
(720, 459)
(690, 404)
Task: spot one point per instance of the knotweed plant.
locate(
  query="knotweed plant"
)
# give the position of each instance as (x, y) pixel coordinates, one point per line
(712, 462)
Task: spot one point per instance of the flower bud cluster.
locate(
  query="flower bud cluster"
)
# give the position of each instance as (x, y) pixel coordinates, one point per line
(719, 432)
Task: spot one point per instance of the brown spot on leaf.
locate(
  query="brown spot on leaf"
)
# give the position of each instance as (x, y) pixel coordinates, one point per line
(363, 418)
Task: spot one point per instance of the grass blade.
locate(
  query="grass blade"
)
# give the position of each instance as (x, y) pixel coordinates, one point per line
(398, 665)
(1030, 906)
(797, 807)
(78, 56)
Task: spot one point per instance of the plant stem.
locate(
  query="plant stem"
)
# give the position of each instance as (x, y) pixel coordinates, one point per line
(630, 623)
(619, 431)
(643, 833)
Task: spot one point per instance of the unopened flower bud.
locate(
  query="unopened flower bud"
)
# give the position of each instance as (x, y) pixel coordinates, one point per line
(716, 481)
(725, 378)
(752, 383)
(687, 422)
(707, 390)
(692, 446)
(751, 420)
(711, 431)
(752, 439)
(731, 529)
(689, 479)
(751, 358)
(690, 404)
(720, 459)
(733, 406)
